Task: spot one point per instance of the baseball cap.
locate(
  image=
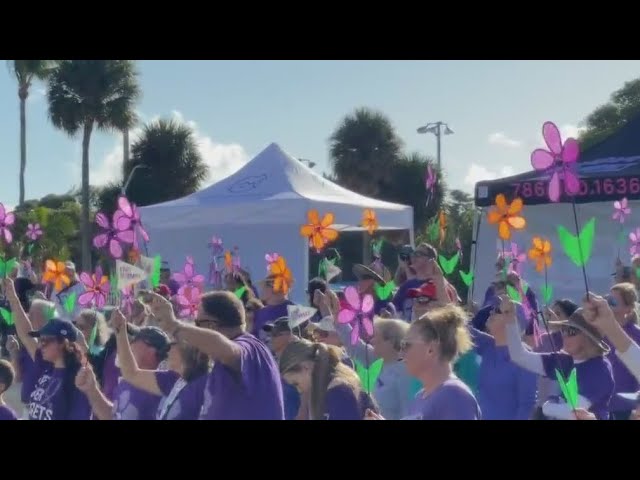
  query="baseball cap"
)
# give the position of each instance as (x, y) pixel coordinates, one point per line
(280, 325)
(156, 338)
(58, 328)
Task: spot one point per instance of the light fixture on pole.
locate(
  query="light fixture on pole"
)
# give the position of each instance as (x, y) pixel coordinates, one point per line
(437, 129)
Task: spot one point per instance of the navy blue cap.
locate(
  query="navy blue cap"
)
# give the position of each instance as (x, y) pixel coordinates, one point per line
(57, 328)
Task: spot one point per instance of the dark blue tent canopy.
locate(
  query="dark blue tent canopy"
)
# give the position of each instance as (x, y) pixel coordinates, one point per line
(608, 171)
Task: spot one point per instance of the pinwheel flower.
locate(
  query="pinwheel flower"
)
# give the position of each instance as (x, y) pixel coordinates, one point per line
(635, 242)
(7, 219)
(430, 178)
(282, 277)
(559, 159)
(127, 218)
(270, 258)
(216, 246)
(540, 253)
(56, 273)
(188, 275)
(357, 312)
(111, 237)
(621, 210)
(319, 232)
(442, 224)
(34, 231)
(507, 216)
(369, 221)
(96, 289)
(189, 302)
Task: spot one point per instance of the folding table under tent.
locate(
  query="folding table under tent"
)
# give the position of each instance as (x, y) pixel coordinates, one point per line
(260, 209)
(608, 171)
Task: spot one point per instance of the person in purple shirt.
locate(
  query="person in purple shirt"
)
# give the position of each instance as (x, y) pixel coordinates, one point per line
(583, 348)
(150, 347)
(275, 307)
(244, 383)
(505, 390)
(333, 389)
(181, 386)
(57, 357)
(430, 348)
(623, 299)
(6, 380)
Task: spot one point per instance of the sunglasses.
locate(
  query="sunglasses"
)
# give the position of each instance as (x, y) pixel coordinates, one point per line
(568, 331)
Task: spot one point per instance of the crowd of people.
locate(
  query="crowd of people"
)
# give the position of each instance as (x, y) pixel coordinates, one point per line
(241, 358)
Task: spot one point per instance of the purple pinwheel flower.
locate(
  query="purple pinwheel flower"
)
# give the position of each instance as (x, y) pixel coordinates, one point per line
(127, 218)
(96, 289)
(635, 242)
(430, 178)
(188, 302)
(7, 219)
(111, 237)
(621, 210)
(188, 276)
(459, 247)
(217, 248)
(271, 258)
(517, 260)
(559, 159)
(34, 231)
(358, 313)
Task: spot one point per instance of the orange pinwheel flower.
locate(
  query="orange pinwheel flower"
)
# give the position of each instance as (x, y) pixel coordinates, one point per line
(369, 220)
(282, 277)
(56, 273)
(507, 216)
(541, 253)
(442, 221)
(228, 261)
(319, 232)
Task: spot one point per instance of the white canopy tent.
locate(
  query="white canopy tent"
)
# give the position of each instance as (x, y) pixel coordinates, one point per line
(260, 209)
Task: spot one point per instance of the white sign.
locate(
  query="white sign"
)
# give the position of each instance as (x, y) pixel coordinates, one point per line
(147, 264)
(331, 272)
(128, 274)
(298, 314)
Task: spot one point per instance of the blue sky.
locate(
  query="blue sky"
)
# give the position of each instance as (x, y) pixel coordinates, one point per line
(496, 109)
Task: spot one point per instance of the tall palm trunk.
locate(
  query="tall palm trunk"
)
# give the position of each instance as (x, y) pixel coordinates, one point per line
(85, 225)
(23, 92)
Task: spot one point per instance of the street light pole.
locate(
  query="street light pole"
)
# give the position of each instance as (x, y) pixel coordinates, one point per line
(436, 129)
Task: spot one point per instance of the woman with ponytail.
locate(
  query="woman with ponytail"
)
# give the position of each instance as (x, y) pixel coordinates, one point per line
(57, 358)
(432, 345)
(334, 390)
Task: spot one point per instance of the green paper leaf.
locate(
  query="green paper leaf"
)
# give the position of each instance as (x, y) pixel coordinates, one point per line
(569, 388)
(239, 292)
(113, 279)
(7, 266)
(155, 276)
(7, 316)
(384, 291)
(30, 248)
(372, 376)
(376, 247)
(638, 272)
(547, 293)
(434, 231)
(50, 312)
(93, 335)
(573, 245)
(514, 294)
(70, 302)
(449, 264)
(467, 278)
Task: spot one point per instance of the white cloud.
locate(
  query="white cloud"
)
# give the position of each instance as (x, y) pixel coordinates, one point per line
(501, 139)
(223, 159)
(568, 131)
(477, 173)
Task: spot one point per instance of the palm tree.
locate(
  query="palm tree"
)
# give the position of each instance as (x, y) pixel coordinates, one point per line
(363, 150)
(26, 71)
(88, 94)
(175, 167)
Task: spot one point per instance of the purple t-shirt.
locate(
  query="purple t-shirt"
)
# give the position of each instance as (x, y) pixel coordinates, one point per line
(110, 376)
(624, 380)
(182, 400)
(452, 400)
(595, 379)
(55, 397)
(266, 315)
(25, 363)
(341, 403)
(403, 304)
(7, 414)
(131, 403)
(252, 393)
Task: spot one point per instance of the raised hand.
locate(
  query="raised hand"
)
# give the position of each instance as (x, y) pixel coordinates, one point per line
(371, 415)
(9, 289)
(162, 312)
(12, 345)
(596, 310)
(507, 309)
(86, 380)
(118, 320)
(582, 414)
